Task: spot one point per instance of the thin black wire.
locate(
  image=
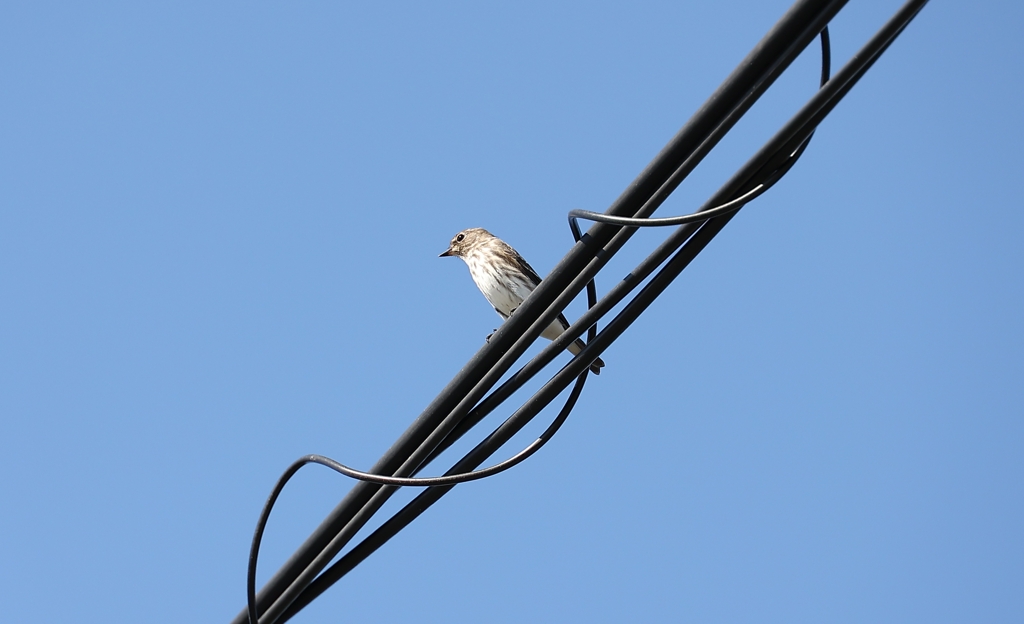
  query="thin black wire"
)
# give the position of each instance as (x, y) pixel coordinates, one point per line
(600, 217)
(449, 481)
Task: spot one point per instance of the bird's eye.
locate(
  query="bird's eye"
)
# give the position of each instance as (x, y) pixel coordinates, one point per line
(458, 239)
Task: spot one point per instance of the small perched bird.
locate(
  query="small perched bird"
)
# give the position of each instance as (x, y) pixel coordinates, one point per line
(505, 279)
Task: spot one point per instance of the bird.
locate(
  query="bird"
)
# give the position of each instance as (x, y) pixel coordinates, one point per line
(505, 279)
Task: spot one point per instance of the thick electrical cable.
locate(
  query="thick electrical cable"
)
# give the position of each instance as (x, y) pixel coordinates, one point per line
(573, 273)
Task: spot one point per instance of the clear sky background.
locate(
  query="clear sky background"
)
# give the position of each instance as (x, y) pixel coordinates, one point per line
(219, 228)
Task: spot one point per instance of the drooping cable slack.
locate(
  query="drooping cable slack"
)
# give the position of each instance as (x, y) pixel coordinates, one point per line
(472, 395)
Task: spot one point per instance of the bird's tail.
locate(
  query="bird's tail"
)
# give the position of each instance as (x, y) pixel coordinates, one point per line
(596, 365)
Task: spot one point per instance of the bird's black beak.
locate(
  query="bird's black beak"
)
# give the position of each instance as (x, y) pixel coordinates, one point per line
(446, 253)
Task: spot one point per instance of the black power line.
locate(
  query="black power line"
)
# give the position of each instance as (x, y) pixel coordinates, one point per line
(465, 401)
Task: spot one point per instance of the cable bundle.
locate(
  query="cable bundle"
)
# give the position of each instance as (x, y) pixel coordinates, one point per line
(471, 395)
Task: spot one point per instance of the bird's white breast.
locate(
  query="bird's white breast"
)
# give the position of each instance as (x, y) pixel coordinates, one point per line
(502, 289)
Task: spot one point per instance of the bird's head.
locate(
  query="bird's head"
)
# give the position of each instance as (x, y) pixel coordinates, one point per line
(465, 241)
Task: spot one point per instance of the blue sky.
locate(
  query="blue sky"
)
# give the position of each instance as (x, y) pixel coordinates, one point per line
(218, 252)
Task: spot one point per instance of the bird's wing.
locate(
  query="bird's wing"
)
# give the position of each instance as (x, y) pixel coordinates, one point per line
(525, 267)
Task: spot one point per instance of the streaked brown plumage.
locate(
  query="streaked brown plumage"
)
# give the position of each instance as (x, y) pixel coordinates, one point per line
(505, 279)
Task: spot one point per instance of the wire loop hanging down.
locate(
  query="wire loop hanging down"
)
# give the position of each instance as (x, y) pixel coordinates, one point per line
(454, 479)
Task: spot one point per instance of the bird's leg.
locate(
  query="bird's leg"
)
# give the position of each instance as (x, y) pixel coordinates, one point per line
(504, 317)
